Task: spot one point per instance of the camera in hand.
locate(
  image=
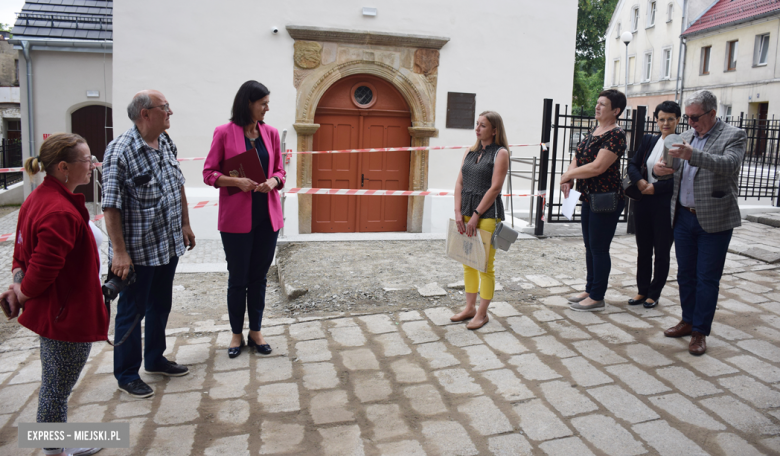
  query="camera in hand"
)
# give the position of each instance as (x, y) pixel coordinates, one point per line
(115, 285)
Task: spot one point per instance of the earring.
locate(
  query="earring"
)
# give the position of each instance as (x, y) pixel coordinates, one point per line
(66, 179)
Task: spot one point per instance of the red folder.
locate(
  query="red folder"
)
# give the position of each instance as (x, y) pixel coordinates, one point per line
(247, 165)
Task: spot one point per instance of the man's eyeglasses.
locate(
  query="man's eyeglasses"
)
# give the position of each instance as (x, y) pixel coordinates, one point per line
(166, 107)
(694, 118)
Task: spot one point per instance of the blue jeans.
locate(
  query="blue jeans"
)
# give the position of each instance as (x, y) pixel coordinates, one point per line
(597, 233)
(700, 260)
(151, 295)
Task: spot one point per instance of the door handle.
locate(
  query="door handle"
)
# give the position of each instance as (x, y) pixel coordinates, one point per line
(362, 178)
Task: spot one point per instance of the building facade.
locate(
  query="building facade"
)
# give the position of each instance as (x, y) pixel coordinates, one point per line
(413, 64)
(65, 69)
(733, 52)
(654, 50)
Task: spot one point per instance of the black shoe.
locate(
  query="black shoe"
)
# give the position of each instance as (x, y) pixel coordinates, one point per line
(235, 351)
(171, 370)
(137, 388)
(636, 302)
(650, 305)
(263, 349)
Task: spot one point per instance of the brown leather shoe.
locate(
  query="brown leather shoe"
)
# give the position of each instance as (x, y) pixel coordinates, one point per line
(679, 330)
(698, 344)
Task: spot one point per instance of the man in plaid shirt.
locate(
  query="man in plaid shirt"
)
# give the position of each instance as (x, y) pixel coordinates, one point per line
(148, 228)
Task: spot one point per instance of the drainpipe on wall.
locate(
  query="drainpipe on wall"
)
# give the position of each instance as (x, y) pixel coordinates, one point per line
(30, 125)
(680, 56)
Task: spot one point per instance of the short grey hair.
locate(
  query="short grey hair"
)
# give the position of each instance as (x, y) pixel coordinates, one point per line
(140, 101)
(704, 98)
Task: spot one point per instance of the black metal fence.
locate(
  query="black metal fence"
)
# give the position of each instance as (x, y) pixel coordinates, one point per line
(758, 178)
(759, 175)
(11, 156)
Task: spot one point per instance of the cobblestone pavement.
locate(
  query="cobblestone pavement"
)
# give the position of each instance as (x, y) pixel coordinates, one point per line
(537, 379)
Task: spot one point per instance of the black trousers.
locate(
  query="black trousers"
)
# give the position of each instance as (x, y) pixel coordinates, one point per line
(249, 255)
(654, 235)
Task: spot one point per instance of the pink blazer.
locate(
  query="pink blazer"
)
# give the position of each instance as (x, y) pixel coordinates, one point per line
(235, 212)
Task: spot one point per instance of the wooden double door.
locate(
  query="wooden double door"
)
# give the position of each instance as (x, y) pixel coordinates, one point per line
(350, 121)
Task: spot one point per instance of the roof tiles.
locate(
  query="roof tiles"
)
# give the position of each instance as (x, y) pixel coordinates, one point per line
(81, 19)
(731, 11)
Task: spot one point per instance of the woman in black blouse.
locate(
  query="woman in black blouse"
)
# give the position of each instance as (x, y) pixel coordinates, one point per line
(478, 205)
(597, 170)
(653, 217)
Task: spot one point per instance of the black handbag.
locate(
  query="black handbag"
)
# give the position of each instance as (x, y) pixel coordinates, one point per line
(630, 189)
(603, 203)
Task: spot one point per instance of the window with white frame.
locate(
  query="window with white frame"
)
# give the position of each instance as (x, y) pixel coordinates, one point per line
(761, 50)
(647, 67)
(667, 63)
(670, 12)
(635, 19)
(617, 31)
(616, 72)
(628, 112)
(727, 112)
(651, 9)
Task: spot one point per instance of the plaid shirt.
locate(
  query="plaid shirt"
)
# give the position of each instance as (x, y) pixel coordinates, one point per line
(145, 185)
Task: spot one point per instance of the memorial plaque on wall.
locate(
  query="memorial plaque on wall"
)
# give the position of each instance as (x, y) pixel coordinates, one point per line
(461, 109)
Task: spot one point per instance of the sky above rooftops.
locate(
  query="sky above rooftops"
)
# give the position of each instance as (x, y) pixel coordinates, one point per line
(8, 10)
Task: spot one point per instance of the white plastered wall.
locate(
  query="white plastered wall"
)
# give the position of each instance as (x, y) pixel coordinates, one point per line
(512, 54)
(60, 84)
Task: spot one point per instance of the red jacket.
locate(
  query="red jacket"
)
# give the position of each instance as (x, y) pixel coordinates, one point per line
(56, 250)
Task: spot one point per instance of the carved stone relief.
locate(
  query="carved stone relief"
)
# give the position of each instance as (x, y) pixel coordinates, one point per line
(308, 54)
(299, 76)
(426, 61)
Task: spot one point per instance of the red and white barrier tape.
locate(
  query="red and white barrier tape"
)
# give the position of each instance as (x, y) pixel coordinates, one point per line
(368, 192)
(345, 151)
(401, 149)
(334, 191)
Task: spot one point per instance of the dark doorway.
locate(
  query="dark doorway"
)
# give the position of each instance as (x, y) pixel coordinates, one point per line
(95, 124)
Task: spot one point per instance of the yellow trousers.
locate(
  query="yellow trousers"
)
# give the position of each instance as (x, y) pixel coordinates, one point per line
(484, 282)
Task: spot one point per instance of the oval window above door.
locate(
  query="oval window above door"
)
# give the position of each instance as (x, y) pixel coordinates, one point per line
(363, 95)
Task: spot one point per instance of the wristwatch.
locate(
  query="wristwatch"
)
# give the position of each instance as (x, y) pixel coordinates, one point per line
(477, 212)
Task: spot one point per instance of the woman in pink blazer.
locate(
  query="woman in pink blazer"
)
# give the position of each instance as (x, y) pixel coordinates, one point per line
(249, 221)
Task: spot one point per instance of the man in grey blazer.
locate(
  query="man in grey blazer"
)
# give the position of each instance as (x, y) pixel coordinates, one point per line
(704, 212)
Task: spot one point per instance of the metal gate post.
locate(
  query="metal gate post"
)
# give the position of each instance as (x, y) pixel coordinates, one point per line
(542, 189)
(637, 132)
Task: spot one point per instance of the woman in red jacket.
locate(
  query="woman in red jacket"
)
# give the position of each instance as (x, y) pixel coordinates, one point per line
(56, 270)
(249, 220)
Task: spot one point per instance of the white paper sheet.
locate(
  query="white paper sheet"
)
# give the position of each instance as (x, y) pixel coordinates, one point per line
(570, 203)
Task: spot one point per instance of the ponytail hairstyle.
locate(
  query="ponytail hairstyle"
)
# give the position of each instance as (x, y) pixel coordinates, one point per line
(496, 122)
(56, 148)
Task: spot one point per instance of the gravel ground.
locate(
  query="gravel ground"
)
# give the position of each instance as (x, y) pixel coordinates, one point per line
(384, 276)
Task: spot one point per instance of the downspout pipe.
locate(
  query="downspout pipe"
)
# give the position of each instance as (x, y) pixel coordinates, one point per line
(680, 57)
(30, 123)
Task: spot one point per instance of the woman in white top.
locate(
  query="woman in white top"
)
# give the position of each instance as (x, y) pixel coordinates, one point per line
(652, 213)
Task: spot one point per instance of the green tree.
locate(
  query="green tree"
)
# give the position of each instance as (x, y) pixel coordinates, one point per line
(592, 21)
